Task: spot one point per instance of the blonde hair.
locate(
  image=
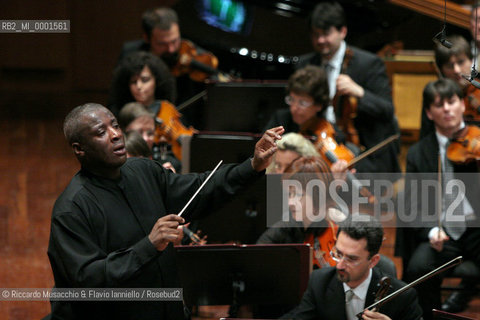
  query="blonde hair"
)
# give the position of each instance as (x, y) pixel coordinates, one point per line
(297, 143)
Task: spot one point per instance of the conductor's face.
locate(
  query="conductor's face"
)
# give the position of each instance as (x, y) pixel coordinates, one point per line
(102, 148)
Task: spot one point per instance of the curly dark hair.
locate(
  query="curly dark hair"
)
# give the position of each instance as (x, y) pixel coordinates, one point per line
(132, 65)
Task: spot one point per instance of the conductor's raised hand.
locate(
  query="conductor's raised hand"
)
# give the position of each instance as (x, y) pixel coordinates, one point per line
(165, 230)
(266, 147)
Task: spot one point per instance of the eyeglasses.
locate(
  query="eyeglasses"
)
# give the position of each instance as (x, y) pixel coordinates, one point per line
(300, 102)
(337, 257)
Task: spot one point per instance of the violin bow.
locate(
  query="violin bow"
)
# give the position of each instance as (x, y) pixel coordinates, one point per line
(442, 268)
(439, 193)
(372, 150)
(192, 100)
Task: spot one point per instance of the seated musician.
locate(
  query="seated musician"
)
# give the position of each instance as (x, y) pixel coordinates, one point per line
(455, 63)
(135, 117)
(162, 37)
(438, 243)
(307, 98)
(136, 146)
(300, 228)
(291, 147)
(358, 75)
(343, 291)
(144, 78)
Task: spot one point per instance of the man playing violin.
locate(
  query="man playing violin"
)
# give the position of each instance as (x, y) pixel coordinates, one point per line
(162, 37)
(450, 233)
(456, 63)
(343, 291)
(363, 78)
(114, 225)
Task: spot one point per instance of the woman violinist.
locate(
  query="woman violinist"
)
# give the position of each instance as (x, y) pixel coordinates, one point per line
(300, 228)
(308, 97)
(144, 78)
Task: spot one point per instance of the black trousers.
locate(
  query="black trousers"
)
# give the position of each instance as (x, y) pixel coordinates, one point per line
(424, 259)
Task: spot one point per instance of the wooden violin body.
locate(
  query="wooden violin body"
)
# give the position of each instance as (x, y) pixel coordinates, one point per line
(169, 128)
(472, 104)
(322, 245)
(325, 142)
(465, 146)
(331, 151)
(199, 66)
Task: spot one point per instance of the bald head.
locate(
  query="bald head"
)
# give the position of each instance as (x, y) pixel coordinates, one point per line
(73, 125)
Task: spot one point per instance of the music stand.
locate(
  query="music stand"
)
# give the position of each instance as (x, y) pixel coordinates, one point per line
(438, 314)
(244, 274)
(202, 151)
(247, 210)
(242, 106)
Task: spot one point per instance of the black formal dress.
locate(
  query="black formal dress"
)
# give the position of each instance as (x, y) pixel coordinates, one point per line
(324, 298)
(99, 234)
(375, 119)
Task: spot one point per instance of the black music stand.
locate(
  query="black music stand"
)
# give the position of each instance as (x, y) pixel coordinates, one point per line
(242, 106)
(247, 210)
(244, 274)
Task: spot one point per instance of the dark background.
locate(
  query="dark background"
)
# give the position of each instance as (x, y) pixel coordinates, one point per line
(48, 74)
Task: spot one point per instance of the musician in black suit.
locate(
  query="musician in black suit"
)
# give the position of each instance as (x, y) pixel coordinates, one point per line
(438, 243)
(162, 37)
(329, 293)
(364, 78)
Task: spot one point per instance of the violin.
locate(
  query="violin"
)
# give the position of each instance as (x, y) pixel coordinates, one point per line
(472, 104)
(383, 286)
(322, 245)
(196, 240)
(325, 142)
(465, 146)
(346, 107)
(199, 66)
(169, 128)
(331, 151)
